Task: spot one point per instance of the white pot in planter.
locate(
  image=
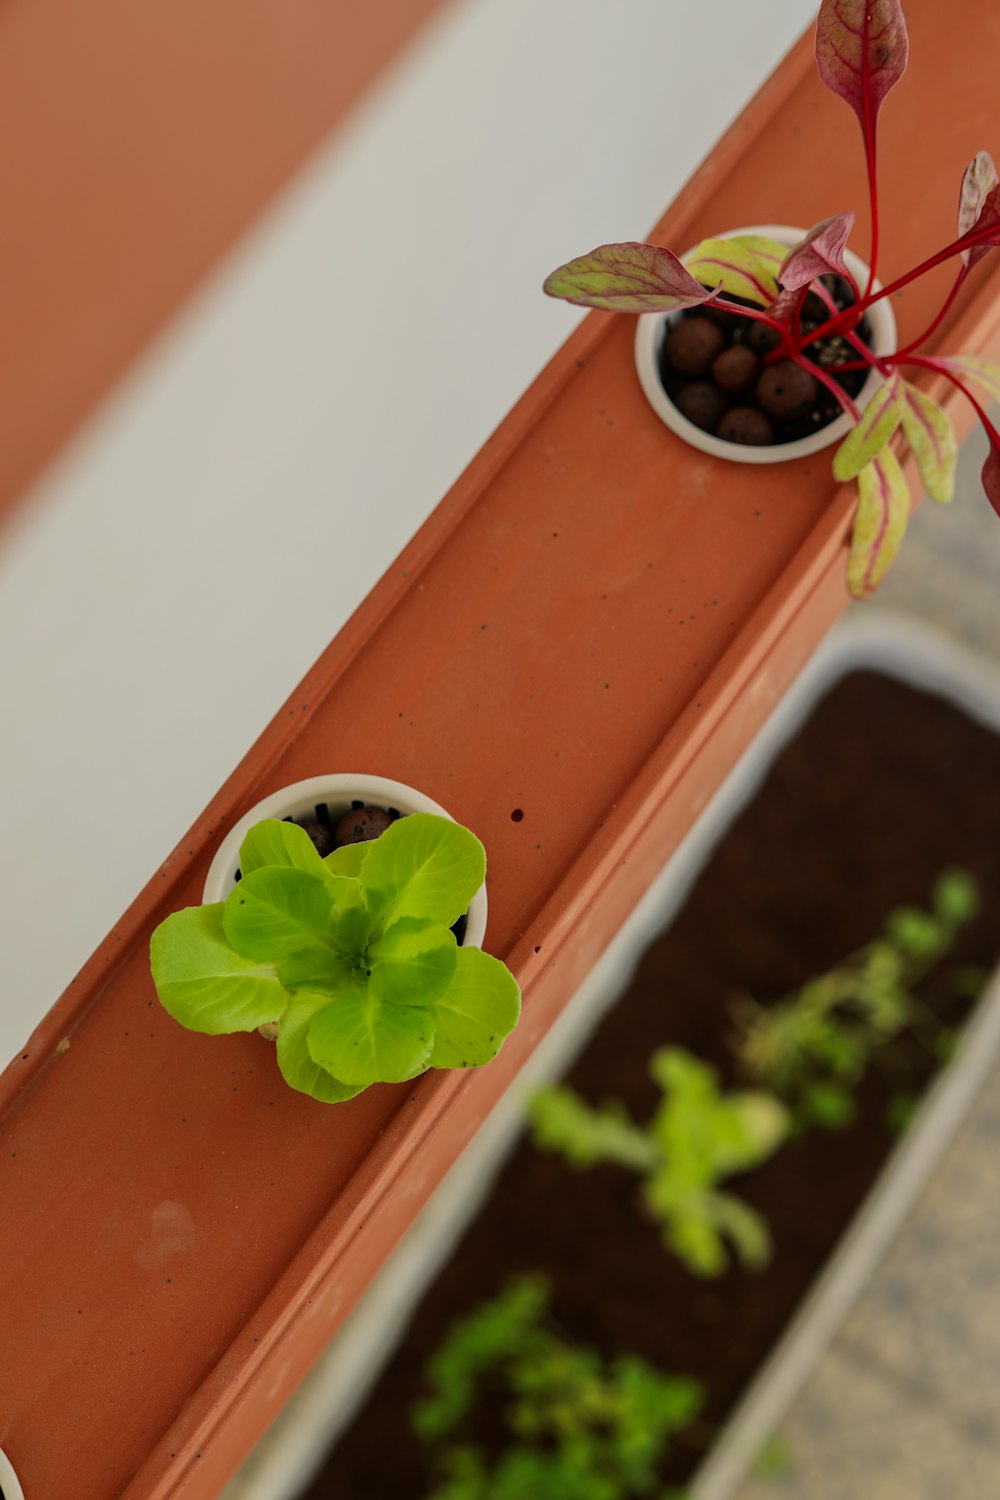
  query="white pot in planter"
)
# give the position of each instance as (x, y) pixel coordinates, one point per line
(652, 330)
(335, 795)
(9, 1487)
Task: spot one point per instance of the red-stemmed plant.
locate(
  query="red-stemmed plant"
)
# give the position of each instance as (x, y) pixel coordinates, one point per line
(861, 54)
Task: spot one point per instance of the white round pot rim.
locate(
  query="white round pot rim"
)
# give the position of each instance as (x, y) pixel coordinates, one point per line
(9, 1484)
(649, 338)
(341, 788)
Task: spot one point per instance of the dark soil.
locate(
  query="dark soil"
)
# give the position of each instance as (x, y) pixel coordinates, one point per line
(748, 414)
(882, 790)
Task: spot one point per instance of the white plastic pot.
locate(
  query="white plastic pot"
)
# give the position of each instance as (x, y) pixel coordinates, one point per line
(338, 793)
(652, 330)
(9, 1487)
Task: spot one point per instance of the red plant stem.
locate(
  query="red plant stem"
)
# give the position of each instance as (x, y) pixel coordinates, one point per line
(787, 345)
(825, 379)
(965, 242)
(869, 118)
(824, 296)
(868, 359)
(930, 363)
(797, 318)
(933, 327)
(884, 365)
(872, 194)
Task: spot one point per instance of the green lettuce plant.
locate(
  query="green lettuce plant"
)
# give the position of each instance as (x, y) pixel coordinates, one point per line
(697, 1138)
(861, 54)
(351, 956)
(814, 1047)
(579, 1427)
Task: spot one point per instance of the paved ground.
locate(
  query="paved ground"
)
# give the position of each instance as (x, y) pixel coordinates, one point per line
(905, 1403)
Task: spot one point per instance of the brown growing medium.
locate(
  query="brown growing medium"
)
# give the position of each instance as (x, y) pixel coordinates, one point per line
(718, 378)
(882, 790)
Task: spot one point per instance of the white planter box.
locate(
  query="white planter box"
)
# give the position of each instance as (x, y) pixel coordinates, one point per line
(339, 1385)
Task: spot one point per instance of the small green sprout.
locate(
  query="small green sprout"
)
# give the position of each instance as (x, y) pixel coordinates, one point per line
(579, 1427)
(351, 955)
(900, 1113)
(814, 1047)
(775, 1459)
(697, 1138)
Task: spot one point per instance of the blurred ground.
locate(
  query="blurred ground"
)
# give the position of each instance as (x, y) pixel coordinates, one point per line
(904, 1404)
(948, 572)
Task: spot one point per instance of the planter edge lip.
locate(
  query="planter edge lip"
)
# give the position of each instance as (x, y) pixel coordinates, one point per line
(301, 796)
(647, 342)
(10, 1486)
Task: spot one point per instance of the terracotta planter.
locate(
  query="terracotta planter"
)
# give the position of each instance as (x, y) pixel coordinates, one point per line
(652, 330)
(179, 1239)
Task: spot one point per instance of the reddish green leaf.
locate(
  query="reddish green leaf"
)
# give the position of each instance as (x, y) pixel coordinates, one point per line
(930, 434)
(985, 232)
(821, 251)
(771, 252)
(861, 51)
(879, 523)
(629, 277)
(985, 371)
(991, 472)
(745, 266)
(988, 375)
(876, 426)
(784, 305)
(979, 181)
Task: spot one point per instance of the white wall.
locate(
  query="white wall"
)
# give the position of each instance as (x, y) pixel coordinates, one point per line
(230, 505)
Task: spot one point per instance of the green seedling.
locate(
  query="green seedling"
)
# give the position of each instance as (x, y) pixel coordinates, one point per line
(900, 1113)
(814, 1047)
(352, 956)
(697, 1138)
(577, 1426)
(775, 1459)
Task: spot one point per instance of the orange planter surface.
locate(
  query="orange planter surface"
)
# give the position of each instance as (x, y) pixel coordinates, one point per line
(588, 631)
(137, 141)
